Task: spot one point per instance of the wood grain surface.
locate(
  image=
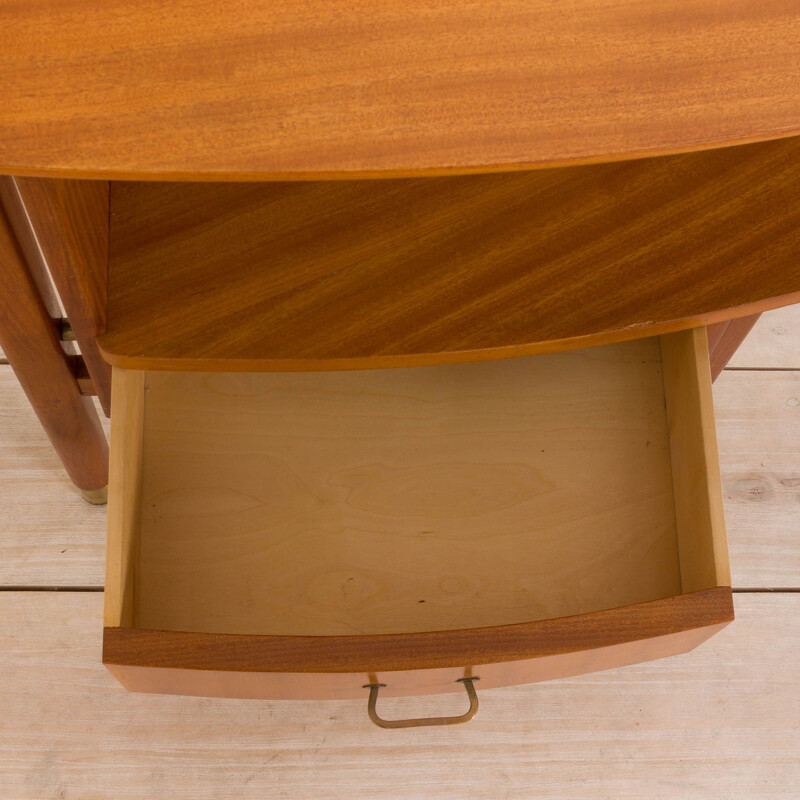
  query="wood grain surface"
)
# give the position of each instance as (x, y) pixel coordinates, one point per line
(124, 496)
(774, 343)
(406, 500)
(221, 90)
(694, 457)
(402, 683)
(720, 722)
(30, 342)
(49, 536)
(339, 275)
(725, 338)
(312, 511)
(388, 653)
(758, 424)
(17, 218)
(70, 222)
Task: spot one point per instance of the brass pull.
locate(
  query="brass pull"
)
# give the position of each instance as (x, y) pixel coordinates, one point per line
(422, 721)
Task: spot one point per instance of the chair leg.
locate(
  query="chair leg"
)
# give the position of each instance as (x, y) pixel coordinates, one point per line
(30, 341)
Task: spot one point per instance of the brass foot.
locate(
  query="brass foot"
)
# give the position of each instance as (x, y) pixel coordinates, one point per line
(97, 497)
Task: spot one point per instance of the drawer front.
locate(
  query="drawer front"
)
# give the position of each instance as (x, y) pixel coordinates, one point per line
(303, 535)
(230, 665)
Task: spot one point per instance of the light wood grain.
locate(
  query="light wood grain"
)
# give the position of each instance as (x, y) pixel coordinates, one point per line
(774, 343)
(43, 516)
(723, 721)
(124, 496)
(422, 499)
(758, 425)
(213, 90)
(367, 274)
(699, 517)
(48, 534)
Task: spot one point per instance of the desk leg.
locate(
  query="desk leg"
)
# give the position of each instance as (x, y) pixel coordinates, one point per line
(724, 339)
(30, 341)
(69, 221)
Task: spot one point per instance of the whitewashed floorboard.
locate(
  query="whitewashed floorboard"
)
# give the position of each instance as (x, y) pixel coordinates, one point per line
(720, 722)
(773, 343)
(758, 428)
(48, 534)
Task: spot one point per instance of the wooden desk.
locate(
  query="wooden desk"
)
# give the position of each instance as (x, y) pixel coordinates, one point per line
(295, 189)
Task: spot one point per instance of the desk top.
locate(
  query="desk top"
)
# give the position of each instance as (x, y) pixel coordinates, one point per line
(253, 90)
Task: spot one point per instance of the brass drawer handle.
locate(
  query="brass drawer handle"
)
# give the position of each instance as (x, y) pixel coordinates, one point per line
(422, 721)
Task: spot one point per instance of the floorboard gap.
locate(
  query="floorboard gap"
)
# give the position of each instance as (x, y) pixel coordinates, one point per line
(762, 369)
(52, 588)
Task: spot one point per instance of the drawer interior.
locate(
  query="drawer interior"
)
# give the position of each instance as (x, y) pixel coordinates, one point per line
(414, 499)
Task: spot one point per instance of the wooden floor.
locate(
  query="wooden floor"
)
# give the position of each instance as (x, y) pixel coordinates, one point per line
(721, 722)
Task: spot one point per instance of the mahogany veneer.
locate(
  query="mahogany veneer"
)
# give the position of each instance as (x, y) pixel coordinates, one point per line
(70, 223)
(219, 91)
(30, 340)
(368, 274)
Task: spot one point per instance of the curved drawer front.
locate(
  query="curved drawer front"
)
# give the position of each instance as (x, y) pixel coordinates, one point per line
(304, 534)
(321, 667)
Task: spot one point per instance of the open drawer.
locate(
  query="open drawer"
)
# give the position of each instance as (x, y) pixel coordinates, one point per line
(301, 535)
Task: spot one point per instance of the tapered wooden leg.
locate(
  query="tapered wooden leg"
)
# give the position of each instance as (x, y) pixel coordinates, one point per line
(30, 341)
(69, 221)
(724, 339)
